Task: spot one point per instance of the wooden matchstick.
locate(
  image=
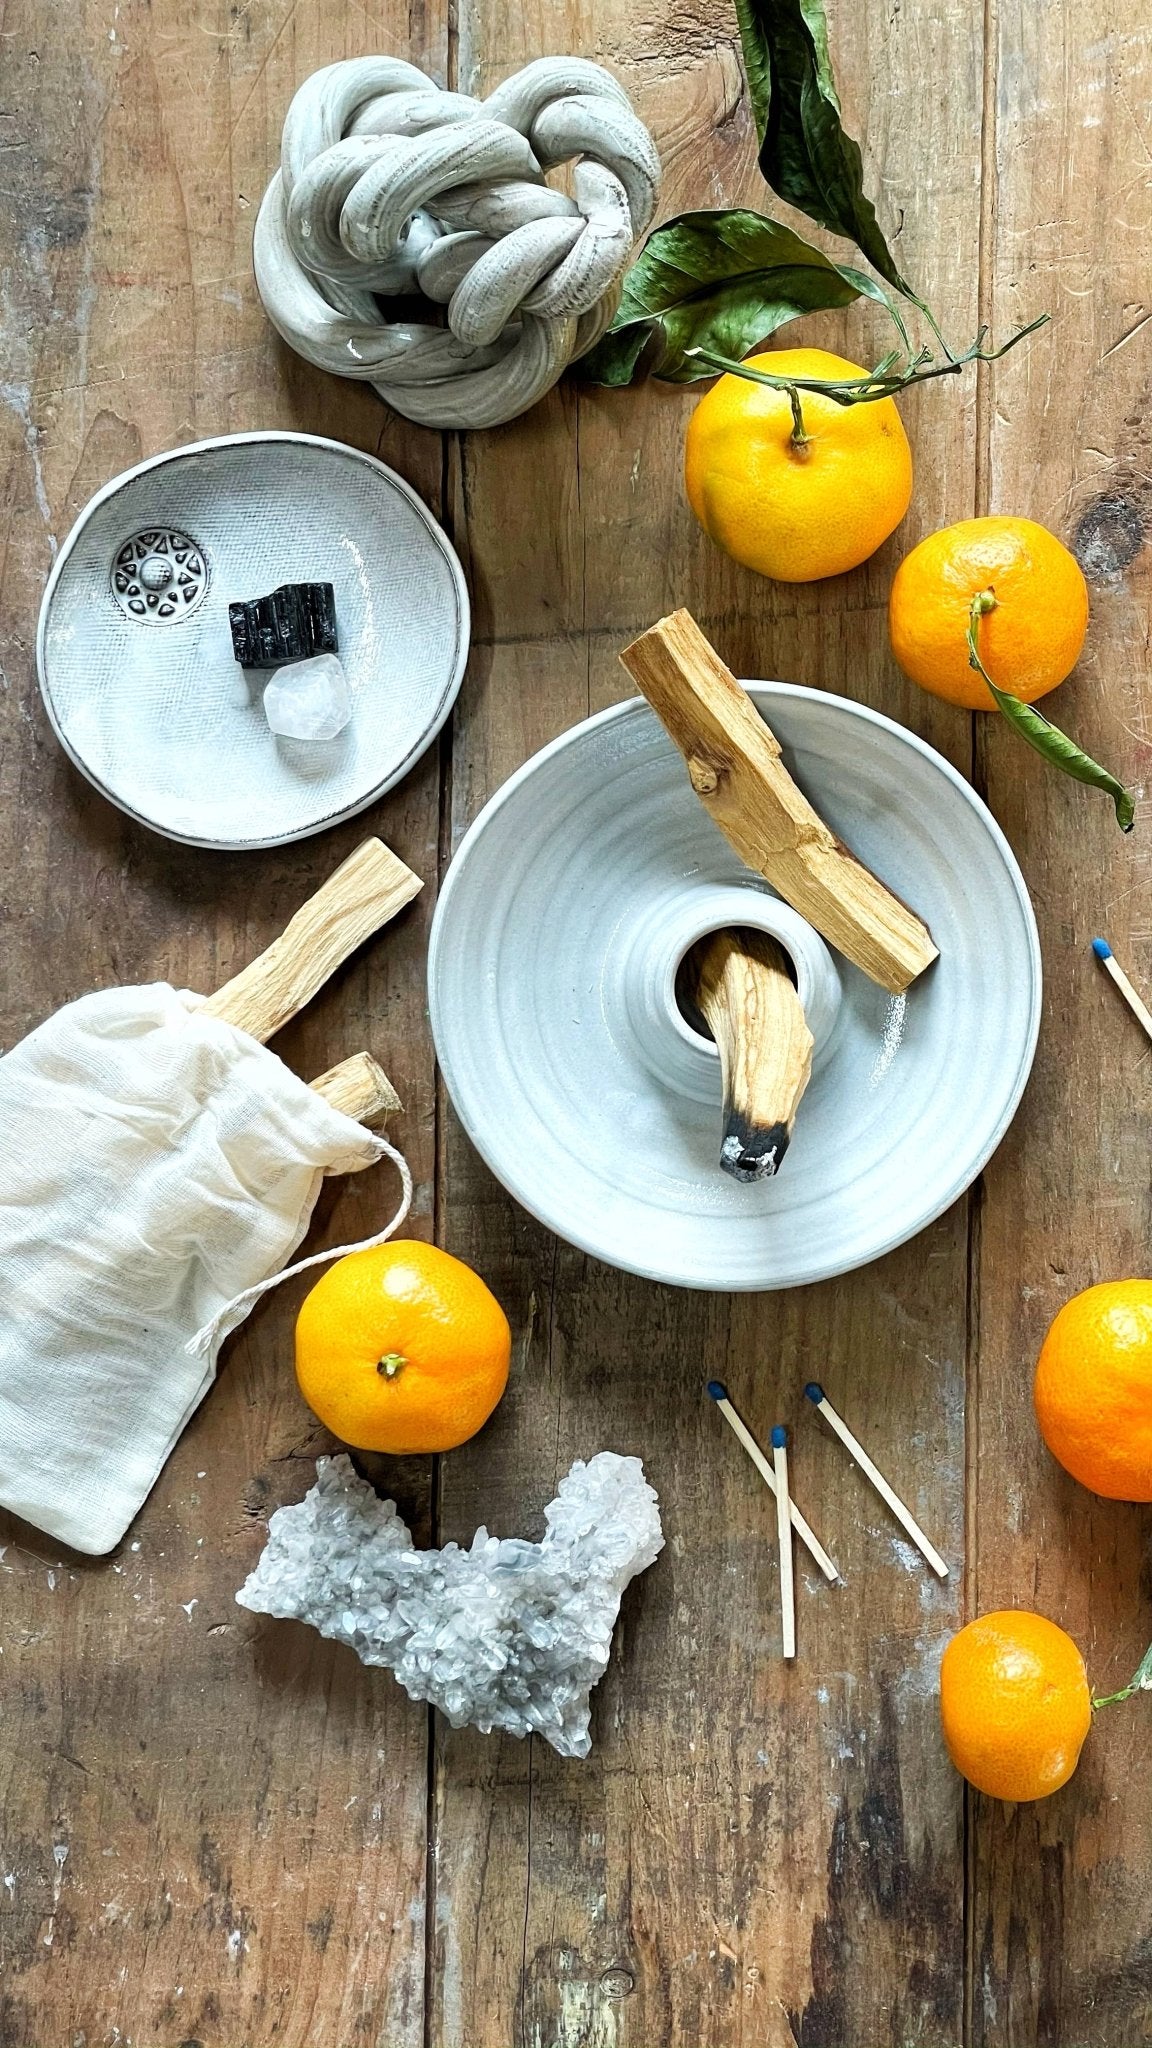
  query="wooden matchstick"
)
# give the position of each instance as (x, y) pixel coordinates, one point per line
(812, 1544)
(856, 1451)
(1107, 959)
(784, 1537)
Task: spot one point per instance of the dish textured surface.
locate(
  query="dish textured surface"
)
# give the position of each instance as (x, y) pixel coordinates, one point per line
(541, 987)
(154, 709)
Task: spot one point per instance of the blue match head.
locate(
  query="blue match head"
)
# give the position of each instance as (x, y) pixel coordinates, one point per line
(814, 1392)
(779, 1437)
(1102, 949)
(718, 1390)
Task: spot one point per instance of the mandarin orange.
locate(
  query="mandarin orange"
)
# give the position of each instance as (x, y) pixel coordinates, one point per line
(1030, 639)
(402, 1348)
(1093, 1389)
(796, 511)
(1015, 1704)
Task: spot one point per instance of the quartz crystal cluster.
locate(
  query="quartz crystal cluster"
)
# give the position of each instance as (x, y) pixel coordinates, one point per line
(507, 1634)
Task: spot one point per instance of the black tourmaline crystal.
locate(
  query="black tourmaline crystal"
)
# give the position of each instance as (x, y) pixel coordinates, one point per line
(290, 624)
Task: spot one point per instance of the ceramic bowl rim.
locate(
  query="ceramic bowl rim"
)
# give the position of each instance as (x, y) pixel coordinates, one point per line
(771, 689)
(262, 436)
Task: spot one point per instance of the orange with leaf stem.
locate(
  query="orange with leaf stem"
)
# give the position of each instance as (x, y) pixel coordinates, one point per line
(1033, 618)
(1015, 1704)
(791, 483)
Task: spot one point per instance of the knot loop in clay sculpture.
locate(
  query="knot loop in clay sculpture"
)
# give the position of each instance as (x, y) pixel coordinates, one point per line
(391, 188)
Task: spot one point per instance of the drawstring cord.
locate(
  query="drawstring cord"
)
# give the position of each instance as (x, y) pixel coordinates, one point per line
(233, 1312)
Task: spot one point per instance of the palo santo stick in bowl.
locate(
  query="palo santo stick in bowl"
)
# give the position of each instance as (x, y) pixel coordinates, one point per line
(735, 768)
(750, 1004)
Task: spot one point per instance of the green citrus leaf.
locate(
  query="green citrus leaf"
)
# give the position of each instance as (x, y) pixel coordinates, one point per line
(1040, 733)
(719, 280)
(1063, 753)
(615, 359)
(805, 154)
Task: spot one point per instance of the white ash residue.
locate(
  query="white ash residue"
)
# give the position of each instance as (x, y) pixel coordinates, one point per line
(507, 1634)
(893, 1036)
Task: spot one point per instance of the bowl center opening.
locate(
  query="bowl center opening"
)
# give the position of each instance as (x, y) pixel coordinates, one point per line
(688, 970)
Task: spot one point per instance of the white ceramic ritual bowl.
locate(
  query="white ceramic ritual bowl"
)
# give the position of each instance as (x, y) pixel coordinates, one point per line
(140, 682)
(552, 968)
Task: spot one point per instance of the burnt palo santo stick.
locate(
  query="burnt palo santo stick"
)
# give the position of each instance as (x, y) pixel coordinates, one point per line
(747, 998)
(735, 768)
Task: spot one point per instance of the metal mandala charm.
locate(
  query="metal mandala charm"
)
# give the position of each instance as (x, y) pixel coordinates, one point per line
(159, 575)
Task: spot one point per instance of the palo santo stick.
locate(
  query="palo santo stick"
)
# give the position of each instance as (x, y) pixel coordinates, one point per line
(359, 1088)
(752, 1009)
(368, 889)
(784, 1538)
(856, 1451)
(812, 1544)
(735, 768)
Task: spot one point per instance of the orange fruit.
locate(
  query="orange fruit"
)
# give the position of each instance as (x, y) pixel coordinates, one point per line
(796, 512)
(1093, 1389)
(1015, 1704)
(1028, 643)
(402, 1348)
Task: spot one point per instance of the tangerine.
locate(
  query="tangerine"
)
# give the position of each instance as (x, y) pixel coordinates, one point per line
(1015, 1704)
(402, 1348)
(1093, 1389)
(796, 510)
(1031, 637)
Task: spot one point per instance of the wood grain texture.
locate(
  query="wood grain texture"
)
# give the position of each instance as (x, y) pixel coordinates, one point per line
(749, 1855)
(212, 1831)
(219, 1830)
(1061, 1953)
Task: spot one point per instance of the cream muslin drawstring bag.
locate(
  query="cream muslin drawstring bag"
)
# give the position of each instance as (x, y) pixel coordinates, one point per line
(158, 1167)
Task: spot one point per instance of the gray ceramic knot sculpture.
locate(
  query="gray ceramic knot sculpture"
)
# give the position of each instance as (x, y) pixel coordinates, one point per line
(390, 187)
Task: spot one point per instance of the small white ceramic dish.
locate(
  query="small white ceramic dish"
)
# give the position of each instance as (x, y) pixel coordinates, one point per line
(552, 967)
(135, 655)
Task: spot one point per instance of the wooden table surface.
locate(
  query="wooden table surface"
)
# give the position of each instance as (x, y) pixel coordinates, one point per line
(221, 1830)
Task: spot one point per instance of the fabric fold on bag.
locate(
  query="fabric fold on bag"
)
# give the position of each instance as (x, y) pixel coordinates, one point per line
(156, 1164)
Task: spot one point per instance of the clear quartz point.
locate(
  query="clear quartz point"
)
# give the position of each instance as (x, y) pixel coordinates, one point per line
(308, 700)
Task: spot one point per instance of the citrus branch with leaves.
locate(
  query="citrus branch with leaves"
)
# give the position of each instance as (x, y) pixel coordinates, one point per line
(710, 286)
(894, 373)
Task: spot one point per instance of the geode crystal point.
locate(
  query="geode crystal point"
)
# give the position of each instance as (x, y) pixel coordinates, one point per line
(290, 624)
(507, 1634)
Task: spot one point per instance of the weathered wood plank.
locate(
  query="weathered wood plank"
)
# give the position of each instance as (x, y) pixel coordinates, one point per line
(213, 1828)
(748, 1855)
(1060, 1927)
